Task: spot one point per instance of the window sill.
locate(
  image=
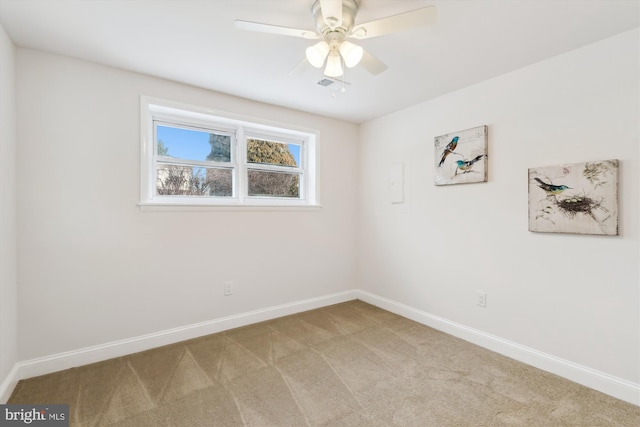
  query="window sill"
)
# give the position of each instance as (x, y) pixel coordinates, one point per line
(166, 207)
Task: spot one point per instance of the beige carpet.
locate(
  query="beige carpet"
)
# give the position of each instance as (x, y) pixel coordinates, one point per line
(350, 364)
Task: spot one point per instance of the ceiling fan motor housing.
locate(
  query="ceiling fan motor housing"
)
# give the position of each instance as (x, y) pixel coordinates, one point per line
(349, 11)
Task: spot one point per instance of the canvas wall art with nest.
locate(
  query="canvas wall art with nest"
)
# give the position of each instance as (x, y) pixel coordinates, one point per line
(577, 198)
(461, 157)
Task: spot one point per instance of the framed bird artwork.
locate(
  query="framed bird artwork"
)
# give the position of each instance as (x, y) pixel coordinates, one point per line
(577, 198)
(461, 157)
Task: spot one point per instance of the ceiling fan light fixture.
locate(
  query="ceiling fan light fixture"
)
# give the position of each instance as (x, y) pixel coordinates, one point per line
(317, 53)
(351, 53)
(334, 65)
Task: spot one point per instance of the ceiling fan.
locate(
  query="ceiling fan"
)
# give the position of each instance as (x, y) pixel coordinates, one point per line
(335, 23)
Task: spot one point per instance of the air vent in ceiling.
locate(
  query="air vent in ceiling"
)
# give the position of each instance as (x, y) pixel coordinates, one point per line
(334, 85)
(326, 82)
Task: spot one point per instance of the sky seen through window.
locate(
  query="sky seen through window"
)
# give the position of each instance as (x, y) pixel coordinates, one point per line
(190, 144)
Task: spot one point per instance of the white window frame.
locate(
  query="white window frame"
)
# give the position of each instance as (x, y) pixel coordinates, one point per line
(171, 113)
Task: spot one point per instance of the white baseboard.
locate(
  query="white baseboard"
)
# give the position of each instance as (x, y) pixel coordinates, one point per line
(608, 384)
(9, 383)
(98, 353)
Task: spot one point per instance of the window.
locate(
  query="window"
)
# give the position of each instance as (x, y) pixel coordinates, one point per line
(195, 157)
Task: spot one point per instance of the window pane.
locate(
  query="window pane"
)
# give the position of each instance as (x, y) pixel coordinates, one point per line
(191, 144)
(174, 180)
(274, 184)
(273, 153)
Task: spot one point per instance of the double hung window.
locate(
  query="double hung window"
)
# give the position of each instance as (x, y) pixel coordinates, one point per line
(196, 157)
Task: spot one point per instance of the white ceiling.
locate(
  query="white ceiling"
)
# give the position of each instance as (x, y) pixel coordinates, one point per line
(196, 42)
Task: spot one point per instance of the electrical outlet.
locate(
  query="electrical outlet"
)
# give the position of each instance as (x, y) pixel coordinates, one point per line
(228, 288)
(481, 298)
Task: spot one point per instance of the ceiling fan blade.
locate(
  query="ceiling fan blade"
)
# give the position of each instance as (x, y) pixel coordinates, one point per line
(275, 29)
(372, 64)
(331, 12)
(392, 24)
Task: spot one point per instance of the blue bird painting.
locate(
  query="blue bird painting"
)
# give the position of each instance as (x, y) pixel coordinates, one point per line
(466, 165)
(551, 189)
(577, 198)
(448, 150)
(461, 157)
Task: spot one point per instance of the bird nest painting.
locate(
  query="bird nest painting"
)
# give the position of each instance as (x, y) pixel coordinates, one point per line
(461, 157)
(577, 198)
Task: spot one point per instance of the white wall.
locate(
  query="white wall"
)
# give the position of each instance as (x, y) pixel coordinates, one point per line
(8, 263)
(570, 296)
(95, 269)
